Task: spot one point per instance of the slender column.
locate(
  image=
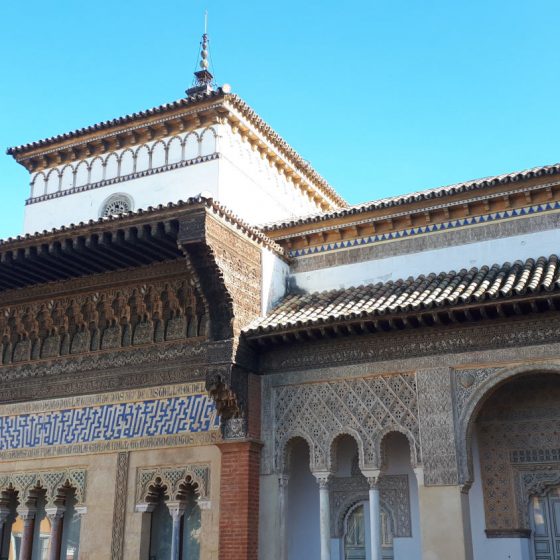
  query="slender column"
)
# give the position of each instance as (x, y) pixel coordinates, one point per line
(324, 514)
(374, 517)
(4, 528)
(283, 507)
(56, 516)
(27, 514)
(177, 510)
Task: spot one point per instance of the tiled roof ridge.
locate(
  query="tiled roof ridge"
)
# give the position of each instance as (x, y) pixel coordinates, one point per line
(416, 196)
(423, 292)
(217, 208)
(131, 117)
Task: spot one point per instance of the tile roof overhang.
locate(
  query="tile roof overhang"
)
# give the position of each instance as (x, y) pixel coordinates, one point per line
(510, 289)
(478, 187)
(226, 104)
(118, 242)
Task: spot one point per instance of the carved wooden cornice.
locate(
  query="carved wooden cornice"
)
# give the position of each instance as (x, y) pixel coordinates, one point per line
(107, 244)
(180, 116)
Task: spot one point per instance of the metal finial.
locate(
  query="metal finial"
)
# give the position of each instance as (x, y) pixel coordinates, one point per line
(203, 79)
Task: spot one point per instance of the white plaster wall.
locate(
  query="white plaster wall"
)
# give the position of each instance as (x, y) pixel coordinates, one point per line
(250, 182)
(161, 188)
(241, 180)
(398, 462)
(489, 252)
(303, 509)
(274, 280)
(483, 547)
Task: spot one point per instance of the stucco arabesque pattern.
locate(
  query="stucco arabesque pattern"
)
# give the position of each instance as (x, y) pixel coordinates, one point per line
(439, 456)
(394, 495)
(365, 408)
(173, 480)
(53, 482)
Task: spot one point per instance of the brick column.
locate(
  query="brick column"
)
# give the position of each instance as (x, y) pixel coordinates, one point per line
(239, 500)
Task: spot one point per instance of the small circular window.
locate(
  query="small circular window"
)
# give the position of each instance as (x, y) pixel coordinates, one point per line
(117, 204)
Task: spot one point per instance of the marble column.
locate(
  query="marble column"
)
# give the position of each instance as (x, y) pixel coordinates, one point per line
(4, 528)
(55, 515)
(27, 514)
(324, 514)
(283, 512)
(177, 510)
(374, 516)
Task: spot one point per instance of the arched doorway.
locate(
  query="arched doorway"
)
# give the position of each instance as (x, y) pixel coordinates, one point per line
(515, 512)
(356, 539)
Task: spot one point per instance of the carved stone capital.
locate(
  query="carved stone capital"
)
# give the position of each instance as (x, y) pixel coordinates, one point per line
(283, 481)
(56, 512)
(26, 512)
(177, 509)
(372, 477)
(322, 479)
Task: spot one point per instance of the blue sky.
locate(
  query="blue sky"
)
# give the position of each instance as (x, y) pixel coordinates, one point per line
(382, 98)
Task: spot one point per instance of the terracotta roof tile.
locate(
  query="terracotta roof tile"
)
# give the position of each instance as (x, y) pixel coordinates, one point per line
(417, 196)
(446, 289)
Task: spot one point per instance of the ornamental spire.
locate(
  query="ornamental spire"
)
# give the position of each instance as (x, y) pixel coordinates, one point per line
(203, 79)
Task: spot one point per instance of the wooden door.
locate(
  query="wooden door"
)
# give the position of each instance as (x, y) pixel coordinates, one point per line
(545, 517)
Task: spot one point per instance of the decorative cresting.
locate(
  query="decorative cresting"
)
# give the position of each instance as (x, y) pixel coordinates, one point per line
(173, 480)
(366, 408)
(54, 482)
(136, 315)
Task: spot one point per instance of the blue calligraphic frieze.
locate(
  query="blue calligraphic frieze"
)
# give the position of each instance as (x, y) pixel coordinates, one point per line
(109, 422)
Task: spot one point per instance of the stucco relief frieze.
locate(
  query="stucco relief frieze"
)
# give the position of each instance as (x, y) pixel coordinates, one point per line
(124, 369)
(425, 342)
(88, 322)
(366, 408)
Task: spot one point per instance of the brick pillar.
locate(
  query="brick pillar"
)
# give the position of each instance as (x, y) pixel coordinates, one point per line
(239, 500)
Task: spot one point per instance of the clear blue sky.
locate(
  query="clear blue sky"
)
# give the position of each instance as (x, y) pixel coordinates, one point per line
(381, 97)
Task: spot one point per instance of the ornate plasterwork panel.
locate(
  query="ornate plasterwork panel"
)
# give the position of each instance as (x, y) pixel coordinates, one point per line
(518, 431)
(172, 479)
(173, 415)
(439, 455)
(366, 408)
(119, 507)
(52, 481)
(394, 495)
